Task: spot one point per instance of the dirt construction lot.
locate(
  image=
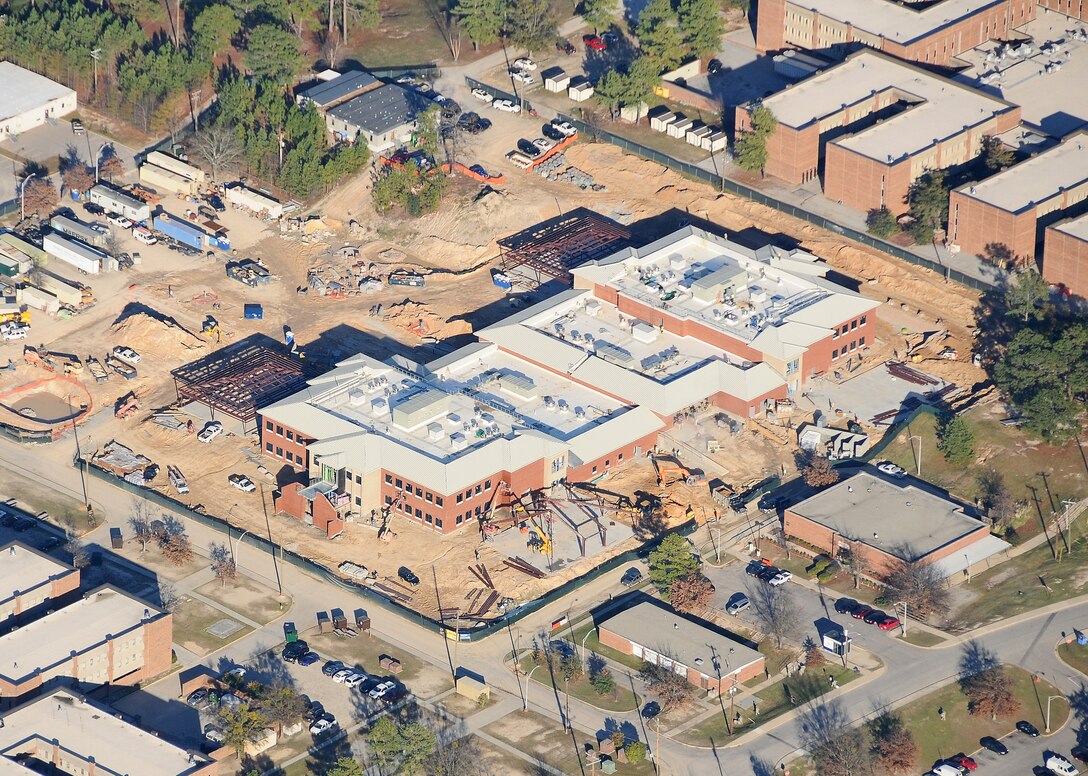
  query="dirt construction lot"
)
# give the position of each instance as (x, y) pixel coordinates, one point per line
(158, 307)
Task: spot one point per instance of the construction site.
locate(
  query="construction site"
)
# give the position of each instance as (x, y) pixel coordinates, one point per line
(342, 281)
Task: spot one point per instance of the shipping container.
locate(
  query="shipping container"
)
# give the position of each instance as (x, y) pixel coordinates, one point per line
(9, 268)
(180, 230)
(16, 248)
(79, 230)
(81, 256)
(68, 293)
(162, 179)
(255, 201)
(37, 299)
(119, 202)
(176, 166)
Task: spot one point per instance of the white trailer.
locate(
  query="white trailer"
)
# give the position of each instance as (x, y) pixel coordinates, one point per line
(82, 257)
(164, 180)
(68, 293)
(39, 299)
(119, 202)
(176, 166)
(255, 201)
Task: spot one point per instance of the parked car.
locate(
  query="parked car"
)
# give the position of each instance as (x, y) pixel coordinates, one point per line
(1027, 728)
(631, 577)
(355, 679)
(874, 617)
(94, 209)
(1055, 763)
(892, 470)
(119, 220)
(544, 144)
(479, 170)
(381, 690)
(780, 578)
(482, 95)
(525, 63)
(214, 734)
(309, 659)
(963, 762)
(754, 568)
(861, 612)
(944, 769)
(127, 354)
(481, 126)
(769, 572)
(551, 132)
(993, 745)
(451, 109)
(24, 524)
(314, 712)
(323, 725)
(11, 330)
(714, 66)
(293, 651)
(143, 235)
(508, 106)
(846, 605)
(651, 710)
(1080, 753)
(210, 432)
(216, 203)
(565, 127)
(406, 574)
(889, 623)
(522, 77)
(50, 543)
(197, 698)
(594, 42)
(332, 667)
(737, 603)
(7, 521)
(238, 672)
(341, 676)
(243, 483)
(229, 700)
(77, 127)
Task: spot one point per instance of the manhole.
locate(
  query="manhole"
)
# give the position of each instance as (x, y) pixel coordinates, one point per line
(224, 628)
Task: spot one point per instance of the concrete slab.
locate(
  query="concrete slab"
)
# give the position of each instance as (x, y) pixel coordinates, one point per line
(571, 530)
(867, 395)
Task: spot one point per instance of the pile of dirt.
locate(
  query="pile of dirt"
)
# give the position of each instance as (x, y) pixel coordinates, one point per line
(420, 320)
(149, 332)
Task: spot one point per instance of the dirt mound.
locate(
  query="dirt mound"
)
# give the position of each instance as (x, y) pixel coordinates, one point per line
(418, 319)
(151, 333)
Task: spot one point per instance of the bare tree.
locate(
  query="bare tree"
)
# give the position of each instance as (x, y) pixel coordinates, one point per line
(174, 542)
(691, 593)
(997, 499)
(222, 562)
(818, 472)
(219, 147)
(140, 522)
(75, 547)
(169, 600)
(330, 47)
(672, 690)
(775, 611)
(919, 585)
(836, 748)
(892, 745)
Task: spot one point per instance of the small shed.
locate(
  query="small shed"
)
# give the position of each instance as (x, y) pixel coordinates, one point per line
(362, 620)
(472, 688)
(324, 624)
(715, 141)
(697, 133)
(580, 89)
(555, 79)
(660, 121)
(680, 126)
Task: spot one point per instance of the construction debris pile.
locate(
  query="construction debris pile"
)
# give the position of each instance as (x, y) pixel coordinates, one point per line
(556, 168)
(149, 332)
(418, 319)
(124, 462)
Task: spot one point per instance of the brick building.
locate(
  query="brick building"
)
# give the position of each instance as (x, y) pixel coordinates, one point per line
(711, 659)
(1065, 255)
(31, 582)
(869, 126)
(567, 389)
(106, 637)
(65, 732)
(1012, 209)
(886, 522)
(931, 33)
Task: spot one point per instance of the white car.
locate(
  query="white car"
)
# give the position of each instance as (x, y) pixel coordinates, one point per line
(238, 672)
(381, 690)
(354, 680)
(119, 220)
(543, 144)
(243, 483)
(229, 701)
(323, 725)
(482, 95)
(781, 579)
(100, 228)
(525, 63)
(891, 469)
(508, 106)
(342, 675)
(12, 330)
(210, 432)
(523, 77)
(564, 127)
(1059, 765)
(213, 734)
(126, 354)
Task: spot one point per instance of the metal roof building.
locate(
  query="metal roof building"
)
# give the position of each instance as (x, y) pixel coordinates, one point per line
(329, 93)
(385, 116)
(28, 100)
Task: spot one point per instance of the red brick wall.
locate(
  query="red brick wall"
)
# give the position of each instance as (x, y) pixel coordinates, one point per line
(281, 446)
(770, 18)
(792, 154)
(863, 183)
(1065, 261)
(974, 224)
(1078, 9)
(158, 642)
(593, 469)
(822, 356)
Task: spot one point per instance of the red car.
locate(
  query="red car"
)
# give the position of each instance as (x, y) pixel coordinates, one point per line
(861, 612)
(594, 42)
(963, 761)
(889, 623)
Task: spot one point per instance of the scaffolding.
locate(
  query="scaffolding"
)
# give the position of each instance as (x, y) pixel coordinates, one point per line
(238, 380)
(553, 248)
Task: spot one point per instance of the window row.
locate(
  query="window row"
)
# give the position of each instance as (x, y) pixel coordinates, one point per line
(836, 353)
(848, 327)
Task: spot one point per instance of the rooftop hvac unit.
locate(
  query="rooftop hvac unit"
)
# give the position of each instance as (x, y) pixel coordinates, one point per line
(563, 406)
(549, 402)
(435, 431)
(579, 412)
(378, 406)
(614, 353)
(558, 328)
(677, 261)
(716, 314)
(577, 335)
(593, 307)
(356, 397)
(453, 419)
(588, 338)
(644, 332)
(458, 441)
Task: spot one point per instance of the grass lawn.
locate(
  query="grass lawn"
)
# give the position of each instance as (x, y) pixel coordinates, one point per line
(1004, 448)
(593, 645)
(246, 597)
(191, 620)
(960, 731)
(460, 706)
(63, 509)
(1074, 655)
(921, 638)
(623, 699)
(772, 701)
(1017, 586)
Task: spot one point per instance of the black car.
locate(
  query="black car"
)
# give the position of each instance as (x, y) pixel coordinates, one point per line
(450, 109)
(631, 577)
(316, 711)
(529, 148)
(466, 120)
(216, 203)
(293, 651)
(991, 743)
(479, 170)
(875, 617)
(7, 521)
(93, 209)
(483, 124)
(406, 574)
(24, 524)
(714, 66)
(769, 572)
(309, 659)
(50, 543)
(1027, 728)
(551, 132)
(331, 667)
(754, 568)
(651, 710)
(846, 605)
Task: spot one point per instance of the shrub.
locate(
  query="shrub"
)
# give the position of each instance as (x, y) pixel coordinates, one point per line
(635, 751)
(881, 223)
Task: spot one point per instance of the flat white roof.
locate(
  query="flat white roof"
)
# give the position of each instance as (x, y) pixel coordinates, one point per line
(22, 569)
(88, 730)
(22, 90)
(1036, 180)
(77, 627)
(937, 108)
(895, 21)
(1074, 227)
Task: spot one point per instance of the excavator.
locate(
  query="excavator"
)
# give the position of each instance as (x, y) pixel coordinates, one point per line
(670, 471)
(211, 327)
(538, 541)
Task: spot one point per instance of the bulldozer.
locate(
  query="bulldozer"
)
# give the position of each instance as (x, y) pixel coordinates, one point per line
(210, 327)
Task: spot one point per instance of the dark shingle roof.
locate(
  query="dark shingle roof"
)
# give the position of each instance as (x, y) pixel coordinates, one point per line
(383, 109)
(338, 88)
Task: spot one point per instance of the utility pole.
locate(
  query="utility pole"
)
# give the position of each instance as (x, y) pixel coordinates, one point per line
(94, 55)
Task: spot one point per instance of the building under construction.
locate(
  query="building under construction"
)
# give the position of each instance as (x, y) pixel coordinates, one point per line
(551, 249)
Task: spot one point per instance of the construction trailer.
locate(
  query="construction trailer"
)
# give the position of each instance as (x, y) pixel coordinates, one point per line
(117, 201)
(39, 299)
(255, 201)
(80, 231)
(176, 166)
(20, 252)
(161, 179)
(188, 233)
(68, 293)
(81, 256)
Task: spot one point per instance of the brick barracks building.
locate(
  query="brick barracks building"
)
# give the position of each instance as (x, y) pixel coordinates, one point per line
(567, 389)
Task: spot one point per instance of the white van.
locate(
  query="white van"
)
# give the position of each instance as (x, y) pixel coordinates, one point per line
(143, 234)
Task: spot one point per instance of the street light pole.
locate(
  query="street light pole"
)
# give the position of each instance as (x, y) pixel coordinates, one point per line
(903, 621)
(525, 694)
(98, 158)
(1048, 700)
(588, 632)
(918, 458)
(233, 556)
(22, 195)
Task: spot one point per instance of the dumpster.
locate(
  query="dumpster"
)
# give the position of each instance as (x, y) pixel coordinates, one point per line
(117, 541)
(290, 634)
(253, 312)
